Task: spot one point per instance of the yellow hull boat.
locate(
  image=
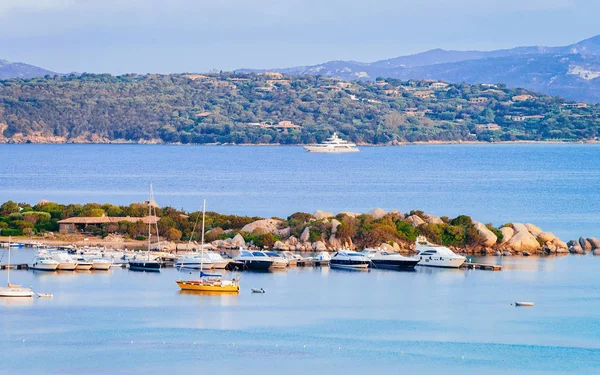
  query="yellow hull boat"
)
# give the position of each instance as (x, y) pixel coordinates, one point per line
(207, 286)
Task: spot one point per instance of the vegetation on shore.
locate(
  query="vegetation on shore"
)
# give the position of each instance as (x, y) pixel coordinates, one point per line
(360, 230)
(247, 108)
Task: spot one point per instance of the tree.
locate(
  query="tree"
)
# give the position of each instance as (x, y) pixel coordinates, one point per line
(8, 208)
(173, 234)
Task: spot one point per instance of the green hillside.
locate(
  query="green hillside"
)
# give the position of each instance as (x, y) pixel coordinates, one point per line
(273, 108)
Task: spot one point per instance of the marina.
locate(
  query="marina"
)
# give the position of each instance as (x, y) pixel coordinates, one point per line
(310, 312)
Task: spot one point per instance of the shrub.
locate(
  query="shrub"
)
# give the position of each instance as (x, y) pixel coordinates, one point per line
(11, 232)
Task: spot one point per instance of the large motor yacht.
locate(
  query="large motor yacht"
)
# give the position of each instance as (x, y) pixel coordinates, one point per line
(436, 255)
(333, 144)
(390, 260)
(349, 259)
(255, 260)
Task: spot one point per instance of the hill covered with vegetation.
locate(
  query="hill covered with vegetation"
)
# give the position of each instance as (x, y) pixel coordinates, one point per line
(273, 108)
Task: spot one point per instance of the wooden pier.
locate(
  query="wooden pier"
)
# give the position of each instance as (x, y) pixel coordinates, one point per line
(481, 266)
(20, 266)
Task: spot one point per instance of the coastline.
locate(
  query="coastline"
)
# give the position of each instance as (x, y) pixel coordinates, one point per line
(397, 144)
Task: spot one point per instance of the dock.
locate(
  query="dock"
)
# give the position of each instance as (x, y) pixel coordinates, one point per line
(20, 266)
(481, 266)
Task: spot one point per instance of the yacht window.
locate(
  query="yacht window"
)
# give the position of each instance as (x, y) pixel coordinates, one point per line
(354, 255)
(258, 254)
(246, 253)
(273, 254)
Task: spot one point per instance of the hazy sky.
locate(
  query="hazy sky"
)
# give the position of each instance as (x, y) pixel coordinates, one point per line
(118, 36)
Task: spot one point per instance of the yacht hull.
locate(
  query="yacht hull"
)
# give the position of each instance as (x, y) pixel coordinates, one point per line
(258, 265)
(44, 267)
(84, 266)
(197, 286)
(445, 263)
(395, 264)
(16, 292)
(148, 266)
(66, 266)
(349, 265)
(330, 150)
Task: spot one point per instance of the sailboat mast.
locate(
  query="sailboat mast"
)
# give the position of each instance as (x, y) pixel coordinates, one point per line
(202, 236)
(8, 268)
(149, 223)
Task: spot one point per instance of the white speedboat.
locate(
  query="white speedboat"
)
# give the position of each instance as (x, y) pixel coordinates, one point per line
(278, 260)
(291, 258)
(100, 264)
(65, 261)
(322, 259)
(254, 260)
(436, 255)
(390, 260)
(195, 261)
(43, 262)
(83, 265)
(349, 259)
(334, 144)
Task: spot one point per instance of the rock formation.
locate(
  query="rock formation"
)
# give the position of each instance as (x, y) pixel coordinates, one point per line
(489, 238)
(305, 236)
(319, 215)
(594, 243)
(535, 230)
(585, 244)
(522, 240)
(263, 226)
(507, 234)
(377, 213)
(334, 225)
(430, 219)
(415, 220)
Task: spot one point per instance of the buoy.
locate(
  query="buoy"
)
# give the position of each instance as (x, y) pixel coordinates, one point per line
(164, 342)
(232, 344)
(463, 357)
(402, 353)
(339, 348)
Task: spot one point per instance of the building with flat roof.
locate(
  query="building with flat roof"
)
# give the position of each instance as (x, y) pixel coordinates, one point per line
(77, 224)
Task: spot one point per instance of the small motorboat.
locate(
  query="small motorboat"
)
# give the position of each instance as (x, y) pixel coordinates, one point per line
(44, 295)
(256, 290)
(531, 304)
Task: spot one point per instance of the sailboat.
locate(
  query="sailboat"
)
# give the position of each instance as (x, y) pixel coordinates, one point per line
(209, 282)
(148, 264)
(14, 290)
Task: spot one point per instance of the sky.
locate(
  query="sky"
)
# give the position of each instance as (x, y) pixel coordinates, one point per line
(153, 36)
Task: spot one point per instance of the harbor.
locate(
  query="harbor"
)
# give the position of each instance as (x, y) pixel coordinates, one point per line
(106, 319)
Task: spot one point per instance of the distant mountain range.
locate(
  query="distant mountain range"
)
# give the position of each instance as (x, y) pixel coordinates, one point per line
(10, 70)
(572, 72)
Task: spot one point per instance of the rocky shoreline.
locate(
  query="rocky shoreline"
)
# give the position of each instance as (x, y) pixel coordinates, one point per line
(121, 226)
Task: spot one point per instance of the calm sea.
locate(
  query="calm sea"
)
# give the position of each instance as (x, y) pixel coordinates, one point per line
(310, 321)
(554, 186)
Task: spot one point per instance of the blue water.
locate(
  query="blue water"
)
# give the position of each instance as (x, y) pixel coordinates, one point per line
(554, 186)
(310, 320)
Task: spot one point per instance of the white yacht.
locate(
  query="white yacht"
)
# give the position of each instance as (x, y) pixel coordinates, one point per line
(65, 261)
(278, 260)
(254, 260)
(43, 262)
(349, 259)
(334, 144)
(436, 255)
(386, 259)
(195, 261)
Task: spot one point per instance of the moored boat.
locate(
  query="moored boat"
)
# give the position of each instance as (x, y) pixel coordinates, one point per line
(101, 264)
(12, 290)
(43, 262)
(279, 261)
(213, 283)
(65, 261)
(83, 265)
(350, 260)
(254, 260)
(148, 264)
(390, 260)
(437, 256)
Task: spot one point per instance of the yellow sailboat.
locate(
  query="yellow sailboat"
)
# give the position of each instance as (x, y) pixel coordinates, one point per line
(213, 283)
